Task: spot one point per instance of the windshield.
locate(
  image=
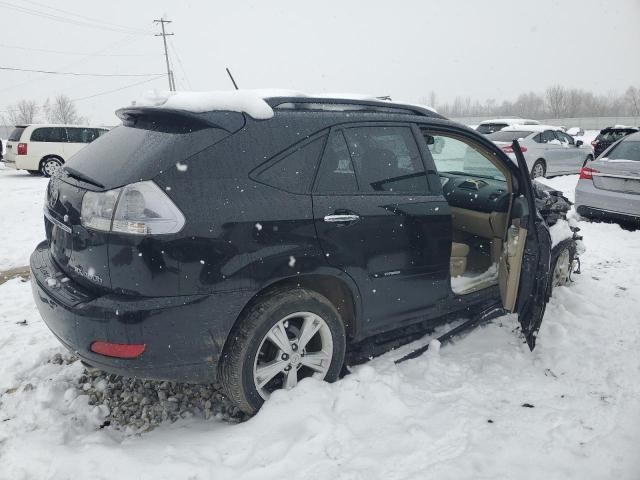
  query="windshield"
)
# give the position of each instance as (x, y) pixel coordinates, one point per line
(486, 128)
(626, 150)
(508, 136)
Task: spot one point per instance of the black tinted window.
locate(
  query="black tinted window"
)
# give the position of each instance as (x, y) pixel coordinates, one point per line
(49, 134)
(508, 135)
(386, 159)
(625, 151)
(295, 171)
(490, 127)
(547, 136)
(564, 138)
(16, 134)
(81, 135)
(336, 173)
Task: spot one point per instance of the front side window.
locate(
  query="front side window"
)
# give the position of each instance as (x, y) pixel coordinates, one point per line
(49, 134)
(453, 155)
(547, 137)
(386, 159)
(564, 138)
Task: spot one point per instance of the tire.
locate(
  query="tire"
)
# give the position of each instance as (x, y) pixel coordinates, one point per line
(49, 165)
(539, 169)
(250, 346)
(562, 257)
(35, 173)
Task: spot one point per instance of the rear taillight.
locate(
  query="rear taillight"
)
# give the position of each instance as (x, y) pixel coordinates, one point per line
(509, 149)
(118, 350)
(139, 209)
(22, 149)
(586, 173)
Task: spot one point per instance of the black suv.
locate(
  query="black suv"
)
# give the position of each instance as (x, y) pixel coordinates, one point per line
(608, 136)
(215, 246)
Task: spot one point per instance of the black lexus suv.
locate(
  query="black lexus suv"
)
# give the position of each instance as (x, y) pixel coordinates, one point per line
(254, 252)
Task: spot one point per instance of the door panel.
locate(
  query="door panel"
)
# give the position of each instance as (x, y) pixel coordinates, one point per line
(397, 252)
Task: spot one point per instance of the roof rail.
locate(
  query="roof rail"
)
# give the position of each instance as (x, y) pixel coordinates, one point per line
(347, 105)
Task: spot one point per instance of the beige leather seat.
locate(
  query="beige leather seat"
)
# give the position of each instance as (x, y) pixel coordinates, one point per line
(458, 262)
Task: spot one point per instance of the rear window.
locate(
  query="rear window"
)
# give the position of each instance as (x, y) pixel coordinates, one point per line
(625, 151)
(16, 134)
(508, 136)
(486, 128)
(49, 134)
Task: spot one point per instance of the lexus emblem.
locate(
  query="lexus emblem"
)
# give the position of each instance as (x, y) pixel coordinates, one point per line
(54, 192)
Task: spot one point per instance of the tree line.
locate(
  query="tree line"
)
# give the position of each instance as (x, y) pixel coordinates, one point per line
(556, 101)
(59, 110)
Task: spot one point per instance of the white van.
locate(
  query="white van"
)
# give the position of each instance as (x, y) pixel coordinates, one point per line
(43, 148)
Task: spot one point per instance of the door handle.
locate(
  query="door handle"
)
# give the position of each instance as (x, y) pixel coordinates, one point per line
(344, 218)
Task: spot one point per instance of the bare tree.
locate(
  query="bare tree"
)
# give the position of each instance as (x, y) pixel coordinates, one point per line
(25, 111)
(62, 110)
(556, 100)
(632, 98)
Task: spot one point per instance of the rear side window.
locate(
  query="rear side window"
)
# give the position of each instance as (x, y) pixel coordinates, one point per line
(336, 174)
(49, 134)
(16, 134)
(386, 159)
(294, 171)
(625, 151)
(81, 135)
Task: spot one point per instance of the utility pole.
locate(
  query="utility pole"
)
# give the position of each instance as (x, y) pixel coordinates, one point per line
(164, 35)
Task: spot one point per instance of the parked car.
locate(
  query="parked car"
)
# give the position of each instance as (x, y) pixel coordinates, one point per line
(495, 125)
(610, 135)
(42, 148)
(259, 250)
(609, 187)
(548, 150)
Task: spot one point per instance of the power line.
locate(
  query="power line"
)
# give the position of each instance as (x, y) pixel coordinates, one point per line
(118, 89)
(184, 71)
(164, 35)
(69, 21)
(95, 20)
(81, 74)
(80, 53)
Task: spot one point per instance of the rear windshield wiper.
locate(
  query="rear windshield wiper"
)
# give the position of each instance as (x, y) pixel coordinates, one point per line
(73, 173)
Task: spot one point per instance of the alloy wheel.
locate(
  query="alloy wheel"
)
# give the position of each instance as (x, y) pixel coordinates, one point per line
(299, 345)
(538, 170)
(50, 167)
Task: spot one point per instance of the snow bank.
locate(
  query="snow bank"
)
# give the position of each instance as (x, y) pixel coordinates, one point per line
(560, 231)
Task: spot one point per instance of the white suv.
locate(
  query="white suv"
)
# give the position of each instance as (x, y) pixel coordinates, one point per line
(42, 148)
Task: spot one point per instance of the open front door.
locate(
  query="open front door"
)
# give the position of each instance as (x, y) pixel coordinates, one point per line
(525, 264)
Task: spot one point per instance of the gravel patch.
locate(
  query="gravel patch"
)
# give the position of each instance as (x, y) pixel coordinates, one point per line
(140, 405)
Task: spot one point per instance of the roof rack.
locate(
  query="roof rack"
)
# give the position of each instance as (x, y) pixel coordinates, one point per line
(347, 105)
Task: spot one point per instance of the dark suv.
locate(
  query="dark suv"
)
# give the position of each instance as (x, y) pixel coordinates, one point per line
(215, 246)
(608, 136)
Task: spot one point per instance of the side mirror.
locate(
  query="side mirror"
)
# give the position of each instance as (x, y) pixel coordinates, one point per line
(579, 143)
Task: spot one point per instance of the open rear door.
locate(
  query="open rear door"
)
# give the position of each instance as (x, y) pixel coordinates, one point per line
(534, 275)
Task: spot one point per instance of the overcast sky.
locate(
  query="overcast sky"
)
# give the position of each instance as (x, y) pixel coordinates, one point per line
(484, 49)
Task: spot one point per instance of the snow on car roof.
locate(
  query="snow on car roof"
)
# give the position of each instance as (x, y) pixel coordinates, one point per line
(252, 102)
(531, 128)
(511, 121)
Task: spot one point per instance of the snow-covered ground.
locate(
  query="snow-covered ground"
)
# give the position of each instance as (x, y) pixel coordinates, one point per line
(480, 407)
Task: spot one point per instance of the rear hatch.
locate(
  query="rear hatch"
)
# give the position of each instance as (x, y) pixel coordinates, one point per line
(12, 143)
(608, 137)
(149, 142)
(620, 170)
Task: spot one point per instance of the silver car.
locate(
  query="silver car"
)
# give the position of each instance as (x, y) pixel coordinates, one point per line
(548, 150)
(609, 187)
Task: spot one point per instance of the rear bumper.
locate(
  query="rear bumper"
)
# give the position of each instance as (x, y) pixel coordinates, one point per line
(8, 163)
(593, 202)
(184, 335)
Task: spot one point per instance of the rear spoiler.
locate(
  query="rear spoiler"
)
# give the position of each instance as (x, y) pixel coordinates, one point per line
(179, 121)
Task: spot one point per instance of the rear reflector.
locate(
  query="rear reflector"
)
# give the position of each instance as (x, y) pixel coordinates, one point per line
(509, 149)
(22, 149)
(586, 173)
(118, 350)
